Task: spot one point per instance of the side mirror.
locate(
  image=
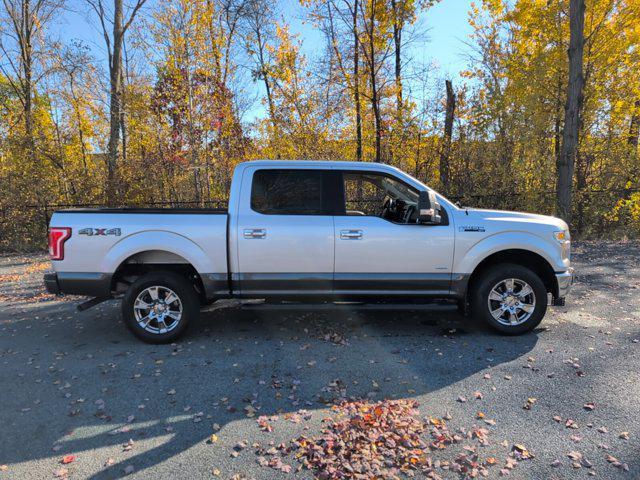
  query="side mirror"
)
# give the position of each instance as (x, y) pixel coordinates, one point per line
(428, 208)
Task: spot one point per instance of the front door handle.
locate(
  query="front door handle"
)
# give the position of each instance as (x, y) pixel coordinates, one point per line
(351, 234)
(255, 233)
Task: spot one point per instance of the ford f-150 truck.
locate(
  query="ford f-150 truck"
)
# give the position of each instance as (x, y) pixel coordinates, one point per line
(313, 231)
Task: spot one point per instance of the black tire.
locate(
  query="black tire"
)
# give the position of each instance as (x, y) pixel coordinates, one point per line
(188, 301)
(492, 277)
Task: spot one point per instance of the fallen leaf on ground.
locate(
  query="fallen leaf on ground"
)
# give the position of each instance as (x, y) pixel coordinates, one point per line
(617, 463)
(61, 473)
(521, 452)
(570, 424)
(574, 455)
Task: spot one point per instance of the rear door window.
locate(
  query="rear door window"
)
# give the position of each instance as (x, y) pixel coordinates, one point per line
(288, 192)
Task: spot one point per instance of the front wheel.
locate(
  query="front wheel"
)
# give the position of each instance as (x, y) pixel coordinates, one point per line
(510, 298)
(158, 307)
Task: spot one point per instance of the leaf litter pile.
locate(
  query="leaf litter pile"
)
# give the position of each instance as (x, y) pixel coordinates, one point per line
(382, 440)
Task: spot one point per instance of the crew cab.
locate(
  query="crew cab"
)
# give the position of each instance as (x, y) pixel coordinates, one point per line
(312, 231)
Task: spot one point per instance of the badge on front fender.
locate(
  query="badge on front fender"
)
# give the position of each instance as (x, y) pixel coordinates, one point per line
(471, 228)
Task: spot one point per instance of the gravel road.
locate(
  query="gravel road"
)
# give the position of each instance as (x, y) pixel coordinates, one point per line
(77, 386)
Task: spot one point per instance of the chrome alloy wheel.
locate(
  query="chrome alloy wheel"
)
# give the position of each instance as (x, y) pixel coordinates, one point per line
(511, 301)
(157, 309)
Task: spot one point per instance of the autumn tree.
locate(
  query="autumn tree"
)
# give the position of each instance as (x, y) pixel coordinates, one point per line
(193, 95)
(204, 84)
(343, 73)
(114, 24)
(25, 52)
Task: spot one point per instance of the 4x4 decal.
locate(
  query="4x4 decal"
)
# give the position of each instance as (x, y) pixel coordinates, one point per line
(92, 232)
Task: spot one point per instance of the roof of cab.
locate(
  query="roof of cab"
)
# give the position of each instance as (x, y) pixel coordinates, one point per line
(315, 163)
(330, 164)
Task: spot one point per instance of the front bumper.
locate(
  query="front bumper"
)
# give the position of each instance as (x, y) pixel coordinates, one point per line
(565, 280)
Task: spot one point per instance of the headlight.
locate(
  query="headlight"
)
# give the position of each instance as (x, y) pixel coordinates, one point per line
(564, 239)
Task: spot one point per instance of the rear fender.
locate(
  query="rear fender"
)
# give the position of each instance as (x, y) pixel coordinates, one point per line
(157, 240)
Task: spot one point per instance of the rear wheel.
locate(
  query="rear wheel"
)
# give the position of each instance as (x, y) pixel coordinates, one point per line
(158, 307)
(510, 298)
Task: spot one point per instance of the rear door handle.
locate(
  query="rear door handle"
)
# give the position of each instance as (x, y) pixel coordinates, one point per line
(255, 233)
(351, 234)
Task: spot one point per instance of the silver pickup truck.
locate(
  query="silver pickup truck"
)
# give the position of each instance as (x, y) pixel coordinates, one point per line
(313, 232)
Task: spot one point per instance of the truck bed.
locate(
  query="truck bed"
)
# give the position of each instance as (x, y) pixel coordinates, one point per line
(171, 211)
(105, 239)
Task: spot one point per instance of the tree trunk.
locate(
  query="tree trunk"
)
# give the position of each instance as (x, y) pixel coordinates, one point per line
(194, 143)
(634, 126)
(265, 75)
(375, 101)
(76, 110)
(397, 42)
(124, 74)
(27, 60)
(356, 83)
(115, 77)
(565, 164)
(632, 143)
(376, 115)
(446, 137)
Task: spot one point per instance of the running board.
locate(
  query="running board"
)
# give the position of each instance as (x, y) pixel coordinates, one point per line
(433, 307)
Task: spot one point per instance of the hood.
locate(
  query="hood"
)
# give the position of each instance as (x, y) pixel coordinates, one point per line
(517, 217)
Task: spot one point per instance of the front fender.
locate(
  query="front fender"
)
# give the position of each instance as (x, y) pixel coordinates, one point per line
(467, 260)
(156, 240)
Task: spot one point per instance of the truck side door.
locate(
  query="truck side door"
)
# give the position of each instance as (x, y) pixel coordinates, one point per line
(379, 246)
(285, 232)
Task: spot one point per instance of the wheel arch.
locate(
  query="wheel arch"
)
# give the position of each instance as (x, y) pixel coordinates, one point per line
(148, 261)
(518, 256)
